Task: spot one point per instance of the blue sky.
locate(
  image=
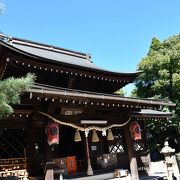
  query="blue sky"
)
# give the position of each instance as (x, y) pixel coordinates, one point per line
(117, 33)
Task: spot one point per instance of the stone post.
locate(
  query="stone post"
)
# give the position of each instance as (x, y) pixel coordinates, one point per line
(167, 151)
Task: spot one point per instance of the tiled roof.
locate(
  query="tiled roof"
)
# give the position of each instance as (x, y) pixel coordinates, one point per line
(56, 54)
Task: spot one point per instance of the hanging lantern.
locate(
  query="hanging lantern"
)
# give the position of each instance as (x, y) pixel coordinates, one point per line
(95, 136)
(53, 133)
(110, 136)
(135, 130)
(77, 137)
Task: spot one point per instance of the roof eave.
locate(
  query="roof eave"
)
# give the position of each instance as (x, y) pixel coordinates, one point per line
(132, 75)
(98, 96)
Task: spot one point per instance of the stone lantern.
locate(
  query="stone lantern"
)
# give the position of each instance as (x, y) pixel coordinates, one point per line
(168, 151)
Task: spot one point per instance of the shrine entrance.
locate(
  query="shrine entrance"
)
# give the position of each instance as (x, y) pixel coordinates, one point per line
(69, 151)
(105, 154)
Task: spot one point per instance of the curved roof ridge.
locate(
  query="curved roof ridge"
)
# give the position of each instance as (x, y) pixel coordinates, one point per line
(50, 48)
(15, 40)
(80, 60)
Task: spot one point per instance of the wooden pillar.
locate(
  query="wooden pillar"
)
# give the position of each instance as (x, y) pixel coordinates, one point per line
(147, 163)
(48, 157)
(131, 154)
(30, 146)
(144, 137)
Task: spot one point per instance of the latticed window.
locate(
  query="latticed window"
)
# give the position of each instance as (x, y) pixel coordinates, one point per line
(117, 145)
(12, 143)
(139, 145)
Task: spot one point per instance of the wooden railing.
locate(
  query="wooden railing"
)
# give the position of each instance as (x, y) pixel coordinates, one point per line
(14, 167)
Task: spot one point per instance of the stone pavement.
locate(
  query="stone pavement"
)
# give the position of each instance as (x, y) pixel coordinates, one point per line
(159, 169)
(158, 172)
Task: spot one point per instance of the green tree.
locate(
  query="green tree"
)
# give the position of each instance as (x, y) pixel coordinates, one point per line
(160, 78)
(10, 91)
(120, 92)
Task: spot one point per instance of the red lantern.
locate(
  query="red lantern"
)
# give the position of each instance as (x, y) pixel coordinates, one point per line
(135, 130)
(53, 133)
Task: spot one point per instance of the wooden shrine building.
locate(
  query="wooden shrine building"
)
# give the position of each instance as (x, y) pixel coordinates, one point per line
(72, 92)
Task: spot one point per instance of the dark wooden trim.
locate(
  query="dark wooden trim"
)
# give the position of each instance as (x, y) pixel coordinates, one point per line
(70, 83)
(144, 134)
(31, 147)
(13, 123)
(96, 97)
(3, 62)
(1, 49)
(26, 58)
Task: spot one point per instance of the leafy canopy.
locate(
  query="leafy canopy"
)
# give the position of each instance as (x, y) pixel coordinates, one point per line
(161, 70)
(160, 78)
(10, 91)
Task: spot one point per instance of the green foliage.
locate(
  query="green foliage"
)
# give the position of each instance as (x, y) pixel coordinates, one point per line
(161, 70)
(120, 92)
(160, 78)
(134, 93)
(10, 91)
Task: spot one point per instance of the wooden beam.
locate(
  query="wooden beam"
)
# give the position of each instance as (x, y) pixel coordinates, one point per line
(131, 154)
